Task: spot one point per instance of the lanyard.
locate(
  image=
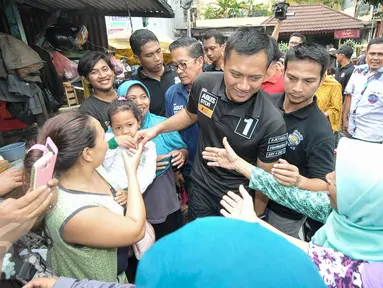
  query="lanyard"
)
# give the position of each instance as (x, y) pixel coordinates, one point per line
(376, 75)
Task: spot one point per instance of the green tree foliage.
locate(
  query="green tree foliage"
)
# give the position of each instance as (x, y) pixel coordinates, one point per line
(351, 43)
(235, 8)
(283, 46)
(373, 2)
(335, 4)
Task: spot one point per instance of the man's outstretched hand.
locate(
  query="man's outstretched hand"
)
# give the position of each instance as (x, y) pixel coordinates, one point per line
(221, 157)
(145, 135)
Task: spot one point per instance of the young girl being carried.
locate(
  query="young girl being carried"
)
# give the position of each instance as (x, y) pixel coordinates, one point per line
(125, 120)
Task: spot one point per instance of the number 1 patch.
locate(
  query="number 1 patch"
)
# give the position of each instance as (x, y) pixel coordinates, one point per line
(246, 127)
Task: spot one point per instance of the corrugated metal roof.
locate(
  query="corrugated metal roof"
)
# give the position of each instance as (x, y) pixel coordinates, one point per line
(137, 8)
(316, 18)
(34, 21)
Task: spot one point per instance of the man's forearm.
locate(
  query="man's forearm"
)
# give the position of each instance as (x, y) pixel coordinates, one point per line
(277, 28)
(346, 107)
(177, 122)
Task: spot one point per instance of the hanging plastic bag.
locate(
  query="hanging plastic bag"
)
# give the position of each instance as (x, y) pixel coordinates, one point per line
(118, 67)
(66, 69)
(81, 37)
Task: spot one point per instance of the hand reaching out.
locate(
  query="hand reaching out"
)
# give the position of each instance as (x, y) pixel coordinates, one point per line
(145, 135)
(17, 216)
(238, 207)
(286, 174)
(41, 283)
(221, 157)
(126, 141)
(10, 179)
(132, 157)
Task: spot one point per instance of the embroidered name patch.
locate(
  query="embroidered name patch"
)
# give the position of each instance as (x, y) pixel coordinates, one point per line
(277, 146)
(207, 103)
(278, 139)
(275, 153)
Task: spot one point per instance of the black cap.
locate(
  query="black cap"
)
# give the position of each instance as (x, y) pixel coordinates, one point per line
(346, 51)
(332, 52)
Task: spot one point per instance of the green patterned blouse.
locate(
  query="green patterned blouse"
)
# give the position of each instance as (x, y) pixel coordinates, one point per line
(76, 261)
(315, 205)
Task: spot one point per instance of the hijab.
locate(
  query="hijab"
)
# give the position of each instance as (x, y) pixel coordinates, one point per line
(165, 142)
(356, 228)
(219, 252)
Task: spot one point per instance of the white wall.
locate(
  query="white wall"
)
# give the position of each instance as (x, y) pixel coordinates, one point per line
(231, 22)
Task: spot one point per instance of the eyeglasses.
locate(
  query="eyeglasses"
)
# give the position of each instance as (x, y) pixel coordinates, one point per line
(181, 66)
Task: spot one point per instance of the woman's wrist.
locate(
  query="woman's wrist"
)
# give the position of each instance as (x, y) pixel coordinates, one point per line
(130, 170)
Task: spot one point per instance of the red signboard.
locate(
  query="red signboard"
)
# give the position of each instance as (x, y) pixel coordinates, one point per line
(342, 34)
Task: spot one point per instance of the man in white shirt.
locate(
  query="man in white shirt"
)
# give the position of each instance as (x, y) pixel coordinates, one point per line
(363, 105)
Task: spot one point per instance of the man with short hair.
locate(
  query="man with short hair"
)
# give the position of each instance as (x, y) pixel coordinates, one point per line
(296, 39)
(310, 147)
(273, 82)
(97, 70)
(187, 57)
(153, 73)
(214, 46)
(230, 104)
(362, 57)
(363, 104)
(345, 66)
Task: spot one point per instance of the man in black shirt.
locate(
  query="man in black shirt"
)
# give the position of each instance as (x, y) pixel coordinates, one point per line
(310, 145)
(213, 44)
(97, 70)
(345, 68)
(153, 73)
(232, 105)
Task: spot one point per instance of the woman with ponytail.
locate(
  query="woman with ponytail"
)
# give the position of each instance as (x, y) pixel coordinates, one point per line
(87, 225)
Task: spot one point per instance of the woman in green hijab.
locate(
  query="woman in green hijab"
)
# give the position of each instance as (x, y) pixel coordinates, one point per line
(353, 230)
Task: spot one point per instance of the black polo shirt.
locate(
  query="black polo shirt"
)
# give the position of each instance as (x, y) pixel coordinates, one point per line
(343, 74)
(310, 146)
(254, 129)
(211, 68)
(157, 89)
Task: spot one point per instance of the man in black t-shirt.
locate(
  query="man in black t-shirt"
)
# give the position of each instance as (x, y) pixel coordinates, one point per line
(97, 70)
(214, 45)
(231, 105)
(346, 68)
(310, 145)
(153, 73)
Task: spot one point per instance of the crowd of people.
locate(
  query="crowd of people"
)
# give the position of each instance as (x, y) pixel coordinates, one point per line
(285, 146)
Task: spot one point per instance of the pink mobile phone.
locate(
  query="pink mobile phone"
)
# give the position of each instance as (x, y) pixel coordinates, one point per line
(42, 170)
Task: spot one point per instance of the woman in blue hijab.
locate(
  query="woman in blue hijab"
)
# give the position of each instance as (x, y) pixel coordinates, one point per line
(216, 253)
(161, 200)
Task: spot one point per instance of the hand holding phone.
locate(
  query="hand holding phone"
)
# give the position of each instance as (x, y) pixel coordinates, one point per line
(43, 169)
